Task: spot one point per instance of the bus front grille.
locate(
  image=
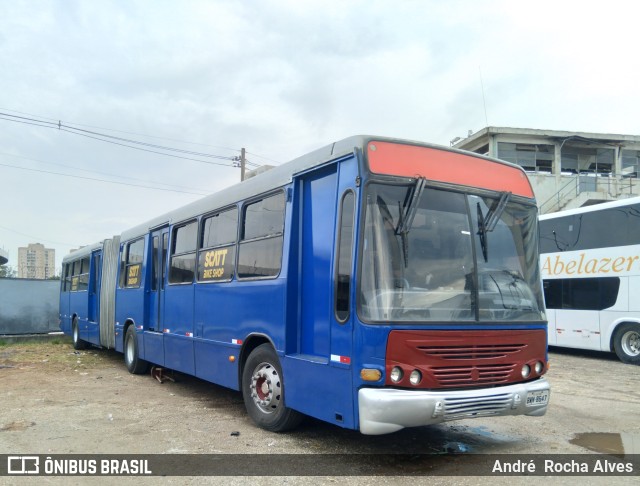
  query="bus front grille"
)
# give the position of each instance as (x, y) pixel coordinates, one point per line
(456, 408)
(467, 352)
(456, 376)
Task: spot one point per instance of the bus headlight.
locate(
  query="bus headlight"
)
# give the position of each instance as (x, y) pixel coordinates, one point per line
(415, 377)
(526, 371)
(396, 374)
(539, 367)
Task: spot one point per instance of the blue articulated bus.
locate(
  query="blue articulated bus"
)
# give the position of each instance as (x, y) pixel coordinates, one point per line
(374, 283)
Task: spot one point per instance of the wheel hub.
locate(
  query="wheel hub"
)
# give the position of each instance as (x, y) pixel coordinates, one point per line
(631, 343)
(266, 388)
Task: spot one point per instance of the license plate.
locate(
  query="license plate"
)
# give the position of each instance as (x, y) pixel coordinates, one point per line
(537, 398)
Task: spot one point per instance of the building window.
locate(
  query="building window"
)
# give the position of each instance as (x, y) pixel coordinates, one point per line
(531, 157)
(630, 160)
(260, 249)
(587, 160)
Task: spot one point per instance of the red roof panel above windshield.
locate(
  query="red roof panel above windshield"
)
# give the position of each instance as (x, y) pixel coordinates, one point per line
(444, 166)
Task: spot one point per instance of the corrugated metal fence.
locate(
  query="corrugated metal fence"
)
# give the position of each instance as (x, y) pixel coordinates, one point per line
(28, 306)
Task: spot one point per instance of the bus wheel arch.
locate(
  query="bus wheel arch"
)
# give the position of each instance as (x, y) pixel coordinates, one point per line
(78, 343)
(263, 390)
(135, 364)
(626, 342)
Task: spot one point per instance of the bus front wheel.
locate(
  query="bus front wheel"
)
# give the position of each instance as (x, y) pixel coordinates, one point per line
(263, 391)
(135, 364)
(626, 343)
(78, 343)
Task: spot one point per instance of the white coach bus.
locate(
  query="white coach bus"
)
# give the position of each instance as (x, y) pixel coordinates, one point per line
(590, 266)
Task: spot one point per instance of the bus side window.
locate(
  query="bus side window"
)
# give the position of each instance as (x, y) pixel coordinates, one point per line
(260, 249)
(183, 253)
(216, 260)
(344, 249)
(132, 268)
(75, 276)
(67, 277)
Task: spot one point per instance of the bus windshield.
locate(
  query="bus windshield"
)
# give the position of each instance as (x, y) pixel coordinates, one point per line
(427, 256)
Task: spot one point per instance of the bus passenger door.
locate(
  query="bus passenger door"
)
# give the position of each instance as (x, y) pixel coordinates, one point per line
(95, 278)
(153, 339)
(320, 369)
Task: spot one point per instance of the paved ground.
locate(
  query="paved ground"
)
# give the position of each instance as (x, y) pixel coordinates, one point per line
(58, 401)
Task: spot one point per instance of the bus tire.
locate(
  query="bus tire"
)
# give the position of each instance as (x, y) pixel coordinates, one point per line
(78, 343)
(135, 364)
(263, 391)
(626, 343)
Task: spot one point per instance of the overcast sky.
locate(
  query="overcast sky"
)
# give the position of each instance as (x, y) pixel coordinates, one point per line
(279, 78)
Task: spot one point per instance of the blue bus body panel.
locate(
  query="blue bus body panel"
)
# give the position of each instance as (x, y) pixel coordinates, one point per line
(213, 364)
(228, 312)
(154, 347)
(178, 328)
(129, 307)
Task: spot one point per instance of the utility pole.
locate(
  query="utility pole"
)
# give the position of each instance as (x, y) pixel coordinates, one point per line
(242, 163)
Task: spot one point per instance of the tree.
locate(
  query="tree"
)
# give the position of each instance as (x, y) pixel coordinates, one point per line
(7, 271)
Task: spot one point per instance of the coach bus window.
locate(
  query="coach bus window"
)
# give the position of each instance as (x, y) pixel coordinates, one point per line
(260, 249)
(344, 258)
(183, 254)
(133, 266)
(430, 271)
(216, 259)
(598, 229)
(581, 293)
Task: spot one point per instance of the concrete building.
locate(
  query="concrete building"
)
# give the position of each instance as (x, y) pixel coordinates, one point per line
(36, 261)
(566, 169)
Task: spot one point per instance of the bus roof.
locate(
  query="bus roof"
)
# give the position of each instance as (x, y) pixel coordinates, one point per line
(278, 177)
(82, 252)
(593, 207)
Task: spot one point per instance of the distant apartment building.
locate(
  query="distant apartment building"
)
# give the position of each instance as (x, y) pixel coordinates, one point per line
(36, 261)
(566, 169)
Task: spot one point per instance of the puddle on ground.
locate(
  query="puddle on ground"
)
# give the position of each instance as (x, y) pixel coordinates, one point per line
(608, 443)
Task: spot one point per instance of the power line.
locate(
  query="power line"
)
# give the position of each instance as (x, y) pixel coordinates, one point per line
(101, 137)
(58, 124)
(99, 180)
(204, 191)
(129, 133)
(37, 238)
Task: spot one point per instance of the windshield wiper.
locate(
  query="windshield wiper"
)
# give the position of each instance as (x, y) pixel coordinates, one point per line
(488, 222)
(407, 214)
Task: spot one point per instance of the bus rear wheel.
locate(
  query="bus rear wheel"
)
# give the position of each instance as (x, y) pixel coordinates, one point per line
(626, 343)
(135, 364)
(263, 391)
(78, 343)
